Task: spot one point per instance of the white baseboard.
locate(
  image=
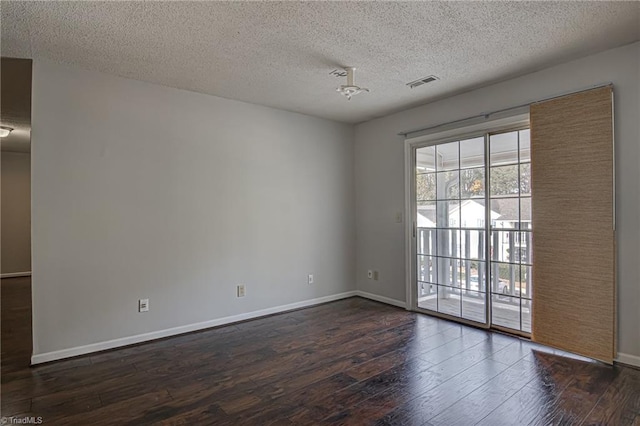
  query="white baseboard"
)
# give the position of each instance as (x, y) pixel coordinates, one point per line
(377, 298)
(628, 359)
(16, 274)
(139, 338)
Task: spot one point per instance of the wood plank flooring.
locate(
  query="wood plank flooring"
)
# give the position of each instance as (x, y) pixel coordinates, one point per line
(351, 362)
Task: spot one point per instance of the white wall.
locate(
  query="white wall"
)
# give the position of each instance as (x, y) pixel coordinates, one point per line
(380, 162)
(143, 191)
(16, 212)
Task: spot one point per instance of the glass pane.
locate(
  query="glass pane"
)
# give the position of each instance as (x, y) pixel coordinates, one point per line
(473, 305)
(448, 242)
(505, 311)
(427, 269)
(505, 246)
(526, 281)
(505, 213)
(528, 240)
(525, 213)
(503, 148)
(525, 308)
(521, 248)
(472, 244)
(525, 145)
(447, 156)
(448, 185)
(472, 183)
(472, 153)
(447, 214)
(426, 187)
(505, 279)
(426, 241)
(472, 275)
(513, 277)
(504, 181)
(448, 271)
(472, 214)
(525, 179)
(426, 159)
(449, 301)
(428, 296)
(426, 214)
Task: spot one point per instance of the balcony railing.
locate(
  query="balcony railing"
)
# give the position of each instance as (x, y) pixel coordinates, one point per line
(456, 258)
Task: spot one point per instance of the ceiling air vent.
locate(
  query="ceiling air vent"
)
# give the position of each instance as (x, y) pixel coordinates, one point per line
(428, 79)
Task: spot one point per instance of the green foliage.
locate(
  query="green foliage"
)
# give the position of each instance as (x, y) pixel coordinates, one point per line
(505, 180)
(472, 183)
(504, 272)
(426, 187)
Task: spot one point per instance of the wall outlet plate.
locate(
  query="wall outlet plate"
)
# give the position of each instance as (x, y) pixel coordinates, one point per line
(310, 279)
(143, 305)
(241, 290)
(376, 275)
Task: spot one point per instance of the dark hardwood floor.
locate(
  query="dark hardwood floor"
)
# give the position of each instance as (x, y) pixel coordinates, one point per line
(348, 362)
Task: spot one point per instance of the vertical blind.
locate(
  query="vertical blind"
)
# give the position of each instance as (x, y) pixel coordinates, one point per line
(572, 173)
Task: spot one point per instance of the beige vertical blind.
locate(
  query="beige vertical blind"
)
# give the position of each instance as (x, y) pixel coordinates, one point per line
(574, 297)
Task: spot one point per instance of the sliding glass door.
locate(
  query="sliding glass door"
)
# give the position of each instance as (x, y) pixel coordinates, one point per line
(472, 223)
(510, 244)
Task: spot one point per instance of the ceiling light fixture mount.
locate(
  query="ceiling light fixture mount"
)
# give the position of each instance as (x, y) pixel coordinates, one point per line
(4, 131)
(350, 89)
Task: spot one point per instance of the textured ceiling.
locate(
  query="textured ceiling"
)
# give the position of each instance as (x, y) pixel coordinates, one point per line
(280, 54)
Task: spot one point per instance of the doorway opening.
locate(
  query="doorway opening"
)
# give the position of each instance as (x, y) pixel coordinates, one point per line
(15, 169)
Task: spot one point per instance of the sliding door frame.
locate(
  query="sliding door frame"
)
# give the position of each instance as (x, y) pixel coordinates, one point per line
(516, 122)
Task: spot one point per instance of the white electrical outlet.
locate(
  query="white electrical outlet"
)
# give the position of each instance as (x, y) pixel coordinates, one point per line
(143, 305)
(370, 274)
(241, 291)
(310, 279)
(399, 217)
(376, 275)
